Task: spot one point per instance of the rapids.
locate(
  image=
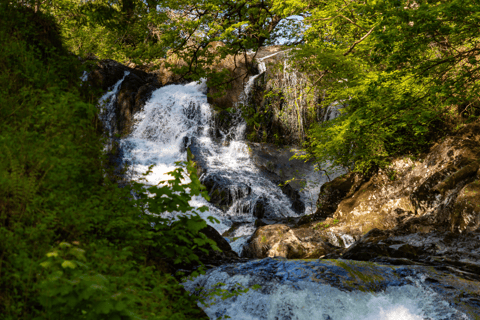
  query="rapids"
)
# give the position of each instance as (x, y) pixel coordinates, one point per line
(178, 117)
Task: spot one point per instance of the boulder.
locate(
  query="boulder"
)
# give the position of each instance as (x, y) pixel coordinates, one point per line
(209, 259)
(134, 91)
(215, 257)
(279, 240)
(441, 186)
(332, 193)
(223, 191)
(417, 242)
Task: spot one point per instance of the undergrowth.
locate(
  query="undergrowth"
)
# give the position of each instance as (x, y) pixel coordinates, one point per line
(73, 244)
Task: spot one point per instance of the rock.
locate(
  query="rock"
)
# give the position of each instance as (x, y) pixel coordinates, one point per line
(259, 208)
(134, 91)
(297, 204)
(194, 153)
(223, 191)
(231, 231)
(215, 257)
(281, 241)
(240, 70)
(406, 245)
(422, 212)
(278, 166)
(224, 121)
(283, 97)
(332, 193)
(133, 94)
(442, 186)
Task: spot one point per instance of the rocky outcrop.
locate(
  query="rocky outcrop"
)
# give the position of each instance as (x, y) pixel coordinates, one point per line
(415, 212)
(213, 257)
(224, 191)
(279, 240)
(332, 193)
(210, 258)
(432, 200)
(134, 91)
(430, 187)
(277, 164)
(282, 100)
(419, 243)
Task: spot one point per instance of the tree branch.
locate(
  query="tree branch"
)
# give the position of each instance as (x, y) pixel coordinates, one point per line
(359, 40)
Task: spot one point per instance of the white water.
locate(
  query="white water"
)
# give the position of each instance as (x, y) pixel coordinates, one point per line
(107, 107)
(333, 111)
(280, 299)
(177, 116)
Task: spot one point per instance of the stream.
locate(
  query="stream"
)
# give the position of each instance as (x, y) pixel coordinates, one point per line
(177, 118)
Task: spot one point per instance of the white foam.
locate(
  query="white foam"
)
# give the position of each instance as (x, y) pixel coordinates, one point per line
(305, 300)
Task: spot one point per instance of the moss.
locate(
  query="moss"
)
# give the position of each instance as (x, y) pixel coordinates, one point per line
(370, 280)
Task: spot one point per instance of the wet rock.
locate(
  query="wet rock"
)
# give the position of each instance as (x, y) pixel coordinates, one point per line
(417, 242)
(297, 204)
(402, 213)
(324, 286)
(275, 95)
(209, 259)
(281, 241)
(223, 191)
(259, 209)
(134, 91)
(224, 121)
(277, 165)
(214, 257)
(133, 94)
(332, 193)
(232, 229)
(194, 153)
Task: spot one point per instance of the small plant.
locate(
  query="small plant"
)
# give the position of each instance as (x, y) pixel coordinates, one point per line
(264, 239)
(392, 176)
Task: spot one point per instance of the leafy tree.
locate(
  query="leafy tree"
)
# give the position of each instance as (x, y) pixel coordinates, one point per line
(401, 69)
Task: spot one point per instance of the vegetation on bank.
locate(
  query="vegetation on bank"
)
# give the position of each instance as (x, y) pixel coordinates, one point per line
(73, 244)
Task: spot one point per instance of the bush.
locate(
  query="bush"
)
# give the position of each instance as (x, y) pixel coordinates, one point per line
(73, 244)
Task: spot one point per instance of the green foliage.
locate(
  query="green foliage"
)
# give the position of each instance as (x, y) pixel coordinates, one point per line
(401, 69)
(73, 244)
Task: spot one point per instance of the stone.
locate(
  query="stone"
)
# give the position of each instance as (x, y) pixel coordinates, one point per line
(332, 193)
(223, 191)
(134, 91)
(279, 240)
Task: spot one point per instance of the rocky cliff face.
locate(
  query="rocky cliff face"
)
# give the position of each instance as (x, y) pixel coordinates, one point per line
(134, 91)
(424, 211)
(285, 99)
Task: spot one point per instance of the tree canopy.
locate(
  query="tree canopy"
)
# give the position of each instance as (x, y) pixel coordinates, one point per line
(405, 71)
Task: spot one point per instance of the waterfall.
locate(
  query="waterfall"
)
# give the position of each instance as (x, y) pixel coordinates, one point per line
(107, 106)
(178, 117)
(322, 290)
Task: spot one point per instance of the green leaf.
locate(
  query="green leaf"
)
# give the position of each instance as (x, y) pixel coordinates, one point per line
(68, 264)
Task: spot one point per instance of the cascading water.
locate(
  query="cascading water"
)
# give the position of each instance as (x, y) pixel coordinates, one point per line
(178, 117)
(325, 290)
